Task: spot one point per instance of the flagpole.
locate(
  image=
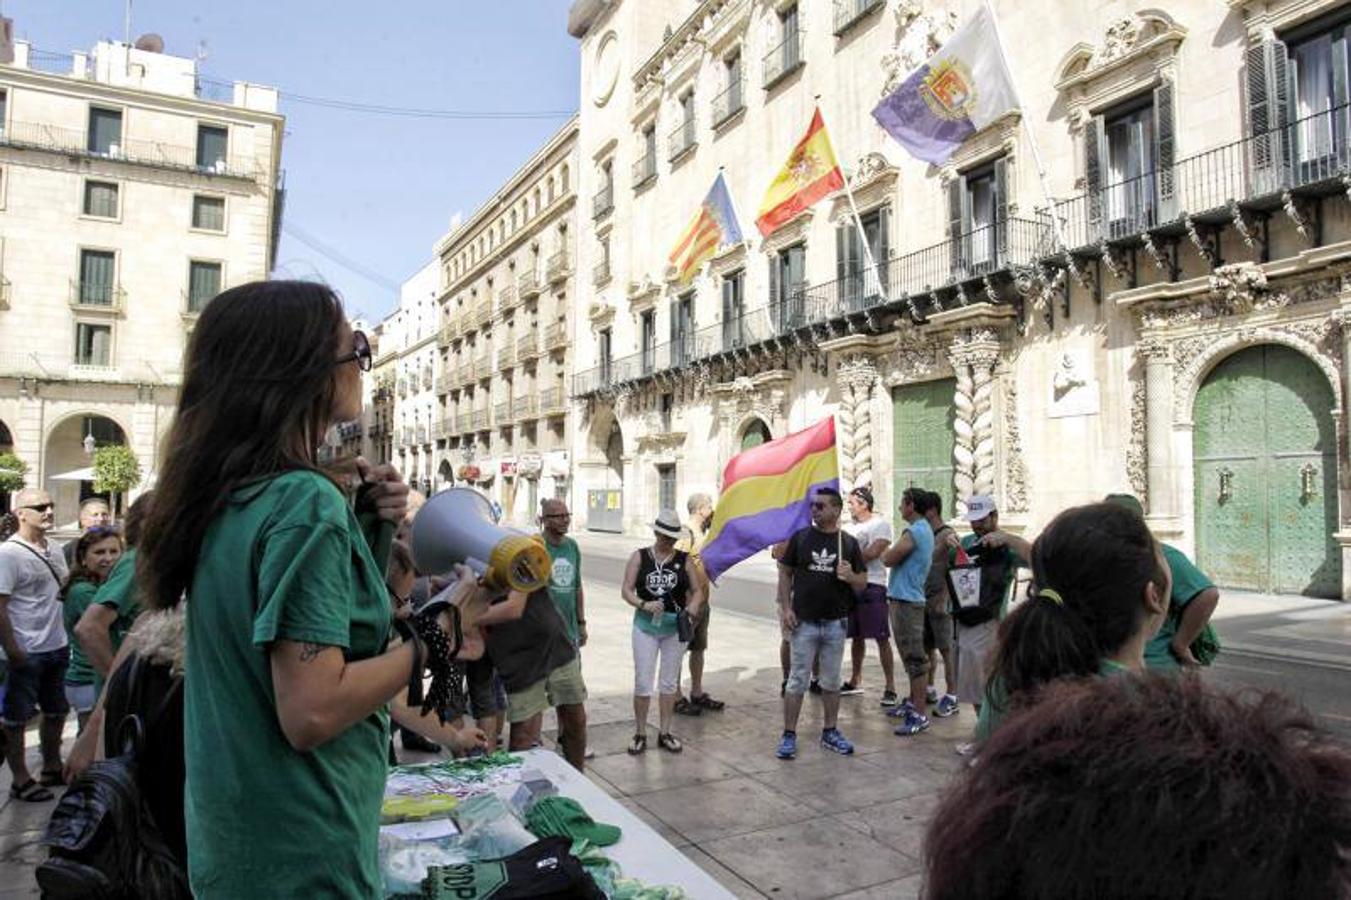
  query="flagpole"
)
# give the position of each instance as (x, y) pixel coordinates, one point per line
(1056, 225)
(858, 224)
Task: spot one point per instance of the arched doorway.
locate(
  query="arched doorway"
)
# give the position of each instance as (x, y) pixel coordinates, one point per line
(605, 502)
(1265, 455)
(755, 433)
(69, 460)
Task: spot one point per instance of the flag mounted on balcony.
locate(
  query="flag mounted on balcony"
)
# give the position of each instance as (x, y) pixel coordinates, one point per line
(714, 226)
(960, 90)
(811, 173)
(766, 495)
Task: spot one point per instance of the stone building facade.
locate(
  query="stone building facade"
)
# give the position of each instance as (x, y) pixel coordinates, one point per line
(1162, 308)
(132, 190)
(508, 283)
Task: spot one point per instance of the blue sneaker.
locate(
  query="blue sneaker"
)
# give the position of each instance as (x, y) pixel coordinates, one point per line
(900, 710)
(831, 739)
(914, 723)
(947, 706)
(787, 746)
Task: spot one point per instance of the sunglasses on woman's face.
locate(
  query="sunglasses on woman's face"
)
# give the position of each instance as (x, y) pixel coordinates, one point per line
(361, 352)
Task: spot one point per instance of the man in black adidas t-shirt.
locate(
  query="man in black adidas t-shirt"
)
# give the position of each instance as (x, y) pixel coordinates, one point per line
(821, 572)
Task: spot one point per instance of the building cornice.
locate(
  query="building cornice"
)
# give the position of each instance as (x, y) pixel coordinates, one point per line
(537, 227)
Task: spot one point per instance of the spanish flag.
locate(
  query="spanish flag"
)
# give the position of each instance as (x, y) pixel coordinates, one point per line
(766, 495)
(714, 225)
(812, 172)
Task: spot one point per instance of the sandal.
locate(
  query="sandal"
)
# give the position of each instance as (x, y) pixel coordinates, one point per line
(669, 742)
(686, 707)
(32, 792)
(52, 779)
(638, 744)
(704, 701)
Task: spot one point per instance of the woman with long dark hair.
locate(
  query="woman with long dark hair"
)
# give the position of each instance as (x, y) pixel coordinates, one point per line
(1101, 593)
(96, 552)
(286, 678)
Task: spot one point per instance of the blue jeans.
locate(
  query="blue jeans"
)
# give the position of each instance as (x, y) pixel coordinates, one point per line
(40, 683)
(824, 637)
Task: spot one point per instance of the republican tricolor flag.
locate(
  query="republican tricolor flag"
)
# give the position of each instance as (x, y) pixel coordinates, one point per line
(766, 495)
(811, 173)
(714, 226)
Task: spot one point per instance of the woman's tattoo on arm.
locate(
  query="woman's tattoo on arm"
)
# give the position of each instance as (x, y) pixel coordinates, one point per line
(309, 651)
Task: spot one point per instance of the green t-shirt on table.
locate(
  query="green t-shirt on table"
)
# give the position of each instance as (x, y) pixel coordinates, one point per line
(995, 707)
(1188, 582)
(565, 580)
(77, 601)
(286, 559)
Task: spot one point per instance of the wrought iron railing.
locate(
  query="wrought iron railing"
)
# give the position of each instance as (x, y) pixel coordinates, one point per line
(483, 311)
(731, 101)
(849, 12)
(604, 201)
(784, 59)
(506, 356)
(72, 142)
(644, 169)
(560, 264)
(556, 336)
(553, 401)
(97, 295)
(527, 346)
(481, 419)
(507, 298)
(681, 140)
(528, 285)
(526, 408)
(600, 273)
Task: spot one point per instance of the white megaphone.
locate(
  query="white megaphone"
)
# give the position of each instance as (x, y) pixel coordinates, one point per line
(458, 526)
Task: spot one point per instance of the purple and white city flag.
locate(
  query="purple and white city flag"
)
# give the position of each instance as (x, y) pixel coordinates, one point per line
(960, 89)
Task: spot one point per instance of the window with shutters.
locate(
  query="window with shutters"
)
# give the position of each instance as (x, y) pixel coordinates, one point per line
(665, 411)
(733, 299)
(100, 199)
(204, 282)
(1317, 108)
(606, 355)
(208, 214)
(97, 277)
(105, 131)
(666, 487)
(682, 330)
(211, 147)
(1129, 159)
(978, 224)
(93, 344)
(787, 288)
(860, 285)
(649, 341)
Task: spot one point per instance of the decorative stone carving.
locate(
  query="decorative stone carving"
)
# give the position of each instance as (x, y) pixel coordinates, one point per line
(1014, 497)
(1128, 38)
(1316, 338)
(856, 376)
(1237, 289)
(760, 395)
(1137, 459)
(973, 357)
(1240, 284)
(915, 357)
(919, 35)
(870, 166)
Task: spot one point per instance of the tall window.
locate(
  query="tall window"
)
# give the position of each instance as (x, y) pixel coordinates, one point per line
(665, 411)
(682, 330)
(978, 219)
(203, 283)
(211, 146)
(105, 131)
(606, 357)
(645, 166)
(732, 70)
(93, 344)
(1129, 166)
(687, 119)
(733, 298)
(208, 213)
(4, 108)
(97, 272)
(100, 199)
(666, 486)
(649, 353)
(860, 286)
(1319, 96)
(787, 284)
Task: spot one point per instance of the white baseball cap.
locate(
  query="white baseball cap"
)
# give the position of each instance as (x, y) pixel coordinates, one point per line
(978, 506)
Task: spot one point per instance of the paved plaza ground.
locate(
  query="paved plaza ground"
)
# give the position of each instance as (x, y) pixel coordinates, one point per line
(820, 826)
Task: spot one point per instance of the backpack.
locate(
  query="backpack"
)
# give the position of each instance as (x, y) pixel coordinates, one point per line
(102, 840)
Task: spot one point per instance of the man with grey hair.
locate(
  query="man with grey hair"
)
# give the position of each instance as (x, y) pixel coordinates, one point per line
(94, 513)
(700, 508)
(33, 635)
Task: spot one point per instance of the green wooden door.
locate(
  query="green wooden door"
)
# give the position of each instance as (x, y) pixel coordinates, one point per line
(1266, 474)
(922, 416)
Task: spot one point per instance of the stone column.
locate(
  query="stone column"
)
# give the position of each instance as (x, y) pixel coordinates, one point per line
(856, 379)
(1162, 499)
(973, 359)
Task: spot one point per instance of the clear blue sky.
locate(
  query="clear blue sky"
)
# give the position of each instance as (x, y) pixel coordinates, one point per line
(380, 190)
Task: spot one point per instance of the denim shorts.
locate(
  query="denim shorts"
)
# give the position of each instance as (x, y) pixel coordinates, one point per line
(826, 638)
(40, 683)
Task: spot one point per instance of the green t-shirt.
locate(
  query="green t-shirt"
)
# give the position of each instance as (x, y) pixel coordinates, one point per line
(995, 706)
(565, 580)
(1188, 581)
(78, 599)
(286, 559)
(118, 594)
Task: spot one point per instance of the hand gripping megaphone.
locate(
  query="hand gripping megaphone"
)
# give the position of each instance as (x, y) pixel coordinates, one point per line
(458, 526)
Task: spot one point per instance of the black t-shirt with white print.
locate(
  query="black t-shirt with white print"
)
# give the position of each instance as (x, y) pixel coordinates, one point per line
(818, 593)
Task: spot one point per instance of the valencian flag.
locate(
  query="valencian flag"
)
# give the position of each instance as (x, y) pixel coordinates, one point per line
(766, 495)
(960, 90)
(812, 172)
(714, 226)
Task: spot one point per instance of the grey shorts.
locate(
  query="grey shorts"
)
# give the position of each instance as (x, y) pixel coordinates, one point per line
(907, 625)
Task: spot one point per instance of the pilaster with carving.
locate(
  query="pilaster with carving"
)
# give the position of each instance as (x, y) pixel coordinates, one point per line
(856, 377)
(973, 357)
(1014, 495)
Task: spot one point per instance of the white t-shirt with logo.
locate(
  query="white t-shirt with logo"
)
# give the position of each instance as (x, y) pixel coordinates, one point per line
(866, 533)
(34, 593)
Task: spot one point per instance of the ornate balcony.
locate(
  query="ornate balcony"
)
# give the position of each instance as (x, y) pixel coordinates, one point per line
(526, 409)
(527, 347)
(553, 402)
(560, 266)
(556, 336)
(528, 285)
(507, 298)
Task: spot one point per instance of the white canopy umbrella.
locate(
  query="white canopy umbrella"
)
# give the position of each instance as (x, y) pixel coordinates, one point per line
(85, 474)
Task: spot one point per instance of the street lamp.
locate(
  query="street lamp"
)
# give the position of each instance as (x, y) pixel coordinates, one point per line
(88, 441)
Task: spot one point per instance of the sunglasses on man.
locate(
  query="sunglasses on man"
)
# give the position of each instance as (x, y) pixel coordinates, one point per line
(39, 507)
